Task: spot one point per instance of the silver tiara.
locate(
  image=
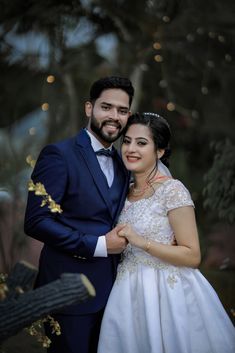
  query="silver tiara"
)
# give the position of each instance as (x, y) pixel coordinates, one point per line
(152, 114)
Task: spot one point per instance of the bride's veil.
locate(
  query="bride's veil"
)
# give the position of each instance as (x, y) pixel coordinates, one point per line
(163, 169)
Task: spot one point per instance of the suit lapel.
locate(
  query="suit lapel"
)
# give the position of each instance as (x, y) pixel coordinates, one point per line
(85, 150)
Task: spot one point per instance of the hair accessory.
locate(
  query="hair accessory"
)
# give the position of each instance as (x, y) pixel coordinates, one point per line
(152, 114)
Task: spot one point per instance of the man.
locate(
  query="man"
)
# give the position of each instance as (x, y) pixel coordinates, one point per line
(90, 187)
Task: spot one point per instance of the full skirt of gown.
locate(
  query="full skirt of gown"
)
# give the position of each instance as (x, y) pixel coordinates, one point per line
(157, 311)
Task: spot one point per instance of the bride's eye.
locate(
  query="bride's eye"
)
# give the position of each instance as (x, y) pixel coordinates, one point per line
(125, 141)
(142, 143)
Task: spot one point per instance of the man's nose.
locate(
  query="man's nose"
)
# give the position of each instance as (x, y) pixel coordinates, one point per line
(113, 113)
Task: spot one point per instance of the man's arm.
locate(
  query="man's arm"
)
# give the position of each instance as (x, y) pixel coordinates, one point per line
(40, 222)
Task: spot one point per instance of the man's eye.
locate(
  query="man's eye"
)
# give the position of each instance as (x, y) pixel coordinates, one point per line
(105, 107)
(123, 111)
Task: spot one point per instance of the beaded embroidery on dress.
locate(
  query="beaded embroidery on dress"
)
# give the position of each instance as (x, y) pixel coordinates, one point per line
(155, 307)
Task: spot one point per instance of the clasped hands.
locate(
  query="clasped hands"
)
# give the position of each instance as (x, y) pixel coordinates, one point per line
(134, 238)
(118, 238)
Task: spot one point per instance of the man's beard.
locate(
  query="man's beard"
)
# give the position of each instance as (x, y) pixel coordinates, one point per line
(98, 130)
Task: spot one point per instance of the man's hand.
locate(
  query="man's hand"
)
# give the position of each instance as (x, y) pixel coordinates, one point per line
(115, 244)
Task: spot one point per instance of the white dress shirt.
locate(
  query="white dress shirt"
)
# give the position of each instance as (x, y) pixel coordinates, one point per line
(106, 165)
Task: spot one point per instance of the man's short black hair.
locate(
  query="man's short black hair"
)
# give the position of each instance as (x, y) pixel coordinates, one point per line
(111, 82)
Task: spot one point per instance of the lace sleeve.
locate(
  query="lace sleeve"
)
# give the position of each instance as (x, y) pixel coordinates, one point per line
(176, 195)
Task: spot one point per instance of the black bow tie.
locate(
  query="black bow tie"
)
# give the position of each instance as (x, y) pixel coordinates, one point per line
(105, 152)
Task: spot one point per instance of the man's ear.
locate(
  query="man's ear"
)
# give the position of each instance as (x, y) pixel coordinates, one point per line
(88, 109)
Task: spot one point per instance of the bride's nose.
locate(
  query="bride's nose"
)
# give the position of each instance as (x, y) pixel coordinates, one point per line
(131, 147)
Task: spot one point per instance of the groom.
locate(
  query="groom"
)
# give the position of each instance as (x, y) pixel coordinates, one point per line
(86, 177)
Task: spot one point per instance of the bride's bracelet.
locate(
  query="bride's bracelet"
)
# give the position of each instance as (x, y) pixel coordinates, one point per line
(148, 245)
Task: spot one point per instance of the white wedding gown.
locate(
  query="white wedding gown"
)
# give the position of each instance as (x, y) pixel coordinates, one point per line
(155, 307)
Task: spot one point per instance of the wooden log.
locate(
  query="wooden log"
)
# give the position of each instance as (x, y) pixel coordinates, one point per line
(21, 279)
(19, 312)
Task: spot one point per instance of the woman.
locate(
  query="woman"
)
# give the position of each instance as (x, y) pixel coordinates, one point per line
(160, 302)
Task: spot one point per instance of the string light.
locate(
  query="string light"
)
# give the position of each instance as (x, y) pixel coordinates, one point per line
(166, 19)
(144, 67)
(221, 38)
(228, 57)
(45, 107)
(157, 45)
(210, 63)
(163, 84)
(50, 79)
(204, 90)
(158, 58)
(170, 106)
(32, 131)
(212, 35)
(190, 37)
(195, 114)
(200, 30)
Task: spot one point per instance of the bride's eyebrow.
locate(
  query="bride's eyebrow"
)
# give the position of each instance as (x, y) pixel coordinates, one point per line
(136, 138)
(141, 138)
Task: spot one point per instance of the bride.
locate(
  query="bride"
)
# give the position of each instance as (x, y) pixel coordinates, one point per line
(160, 302)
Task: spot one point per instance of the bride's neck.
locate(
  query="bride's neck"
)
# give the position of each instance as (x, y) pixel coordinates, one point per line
(140, 180)
(143, 179)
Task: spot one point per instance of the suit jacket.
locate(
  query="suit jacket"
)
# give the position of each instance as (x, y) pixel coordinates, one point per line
(73, 178)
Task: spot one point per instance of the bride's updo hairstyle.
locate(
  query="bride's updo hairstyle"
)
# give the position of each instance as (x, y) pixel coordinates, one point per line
(159, 128)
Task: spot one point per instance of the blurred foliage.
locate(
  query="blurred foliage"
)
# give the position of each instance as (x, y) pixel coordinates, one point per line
(219, 191)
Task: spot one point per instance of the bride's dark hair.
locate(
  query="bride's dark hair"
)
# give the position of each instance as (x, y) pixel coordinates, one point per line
(160, 130)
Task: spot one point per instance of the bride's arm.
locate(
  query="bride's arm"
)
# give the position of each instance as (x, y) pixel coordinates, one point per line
(187, 251)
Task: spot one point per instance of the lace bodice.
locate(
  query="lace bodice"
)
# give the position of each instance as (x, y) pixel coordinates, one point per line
(149, 218)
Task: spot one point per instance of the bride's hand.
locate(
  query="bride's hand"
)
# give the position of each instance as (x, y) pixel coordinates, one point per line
(132, 237)
(126, 231)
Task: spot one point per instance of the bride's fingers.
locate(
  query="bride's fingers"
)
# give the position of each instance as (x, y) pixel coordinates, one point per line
(121, 233)
(120, 226)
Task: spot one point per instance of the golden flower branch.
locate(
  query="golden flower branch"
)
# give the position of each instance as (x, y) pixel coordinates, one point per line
(39, 190)
(36, 330)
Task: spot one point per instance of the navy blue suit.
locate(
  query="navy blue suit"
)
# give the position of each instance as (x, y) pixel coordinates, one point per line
(72, 176)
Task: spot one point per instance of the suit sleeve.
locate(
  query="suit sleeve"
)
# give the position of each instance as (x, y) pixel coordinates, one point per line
(45, 226)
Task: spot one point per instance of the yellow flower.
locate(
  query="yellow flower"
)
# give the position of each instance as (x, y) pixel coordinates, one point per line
(46, 342)
(44, 202)
(40, 189)
(30, 161)
(54, 207)
(31, 186)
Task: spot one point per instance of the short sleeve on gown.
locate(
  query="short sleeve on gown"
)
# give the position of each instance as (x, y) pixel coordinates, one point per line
(176, 195)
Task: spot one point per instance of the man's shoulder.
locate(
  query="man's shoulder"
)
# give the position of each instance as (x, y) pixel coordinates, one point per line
(64, 144)
(57, 149)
